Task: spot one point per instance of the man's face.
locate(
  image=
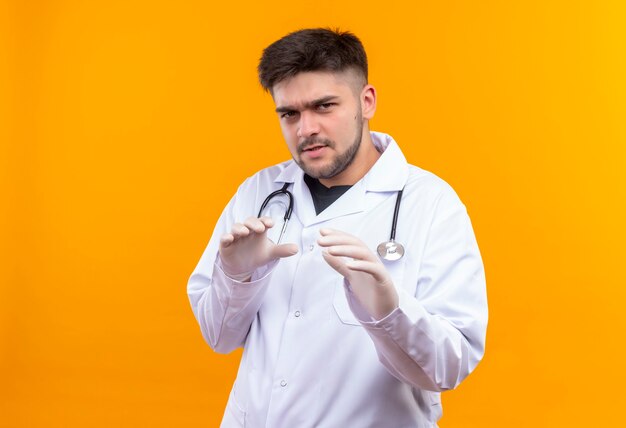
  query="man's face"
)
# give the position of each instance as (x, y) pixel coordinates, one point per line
(321, 119)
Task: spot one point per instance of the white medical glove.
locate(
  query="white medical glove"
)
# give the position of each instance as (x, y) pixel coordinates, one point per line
(369, 280)
(247, 248)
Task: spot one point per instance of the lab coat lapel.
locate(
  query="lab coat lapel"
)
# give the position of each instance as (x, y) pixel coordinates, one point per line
(351, 202)
(304, 208)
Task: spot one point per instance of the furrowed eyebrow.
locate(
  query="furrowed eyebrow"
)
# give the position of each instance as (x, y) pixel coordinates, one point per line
(322, 100)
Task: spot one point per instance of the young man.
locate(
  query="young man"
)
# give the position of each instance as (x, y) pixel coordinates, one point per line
(334, 334)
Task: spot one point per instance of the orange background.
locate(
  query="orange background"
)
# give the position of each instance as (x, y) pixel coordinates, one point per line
(125, 127)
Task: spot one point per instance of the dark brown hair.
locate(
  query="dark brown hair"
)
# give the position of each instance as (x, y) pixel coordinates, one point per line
(317, 49)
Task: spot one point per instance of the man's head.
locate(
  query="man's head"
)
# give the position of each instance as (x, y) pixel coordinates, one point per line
(318, 79)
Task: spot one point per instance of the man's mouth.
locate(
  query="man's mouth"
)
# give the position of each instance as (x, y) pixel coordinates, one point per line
(313, 148)
(314, 145)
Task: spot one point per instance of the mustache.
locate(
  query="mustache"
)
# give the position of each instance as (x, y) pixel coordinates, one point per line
(314, 141)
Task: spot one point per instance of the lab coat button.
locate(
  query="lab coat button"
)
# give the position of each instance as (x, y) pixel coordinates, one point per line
(283, 383)
(311, 247)
(296, 314)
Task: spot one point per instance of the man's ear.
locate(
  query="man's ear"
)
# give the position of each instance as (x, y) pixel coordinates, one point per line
(368, 102)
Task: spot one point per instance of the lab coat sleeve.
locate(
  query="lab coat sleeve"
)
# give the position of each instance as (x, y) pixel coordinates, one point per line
(435, 338)
(224, 307)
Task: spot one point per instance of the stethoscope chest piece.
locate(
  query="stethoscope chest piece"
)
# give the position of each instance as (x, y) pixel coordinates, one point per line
(390, 250)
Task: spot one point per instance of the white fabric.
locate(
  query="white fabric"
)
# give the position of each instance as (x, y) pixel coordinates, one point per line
(314, 358)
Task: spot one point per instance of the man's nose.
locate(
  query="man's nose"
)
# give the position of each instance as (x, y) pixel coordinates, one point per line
(308, 125)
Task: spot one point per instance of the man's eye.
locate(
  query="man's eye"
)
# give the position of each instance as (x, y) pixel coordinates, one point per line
(288, 115)
(325, 106)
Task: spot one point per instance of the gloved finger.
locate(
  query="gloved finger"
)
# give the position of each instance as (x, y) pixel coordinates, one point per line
(226, 239)
(377, 270)
(255, 224)
(239, 230)
(284, 250)
(336, 263)
(335, 237)
(359, 252)
(328, 231)
(267, 221)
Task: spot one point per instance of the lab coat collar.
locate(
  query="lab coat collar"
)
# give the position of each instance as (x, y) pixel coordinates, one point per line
(388, 174)
(391, 171)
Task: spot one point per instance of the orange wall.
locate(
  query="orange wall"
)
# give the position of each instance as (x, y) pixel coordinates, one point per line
(126, 126)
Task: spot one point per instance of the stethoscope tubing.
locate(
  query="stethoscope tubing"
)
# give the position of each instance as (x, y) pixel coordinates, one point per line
(282, 191)
(396, 211)
(288, 212)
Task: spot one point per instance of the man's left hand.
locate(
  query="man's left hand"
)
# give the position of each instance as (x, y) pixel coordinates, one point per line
(366, 274)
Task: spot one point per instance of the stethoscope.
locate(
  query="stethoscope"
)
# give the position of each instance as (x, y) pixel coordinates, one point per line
(388, 250)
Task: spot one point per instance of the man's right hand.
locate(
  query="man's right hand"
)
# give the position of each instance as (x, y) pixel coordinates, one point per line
(247, 247)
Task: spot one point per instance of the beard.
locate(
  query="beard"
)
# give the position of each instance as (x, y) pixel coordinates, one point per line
(339, 163)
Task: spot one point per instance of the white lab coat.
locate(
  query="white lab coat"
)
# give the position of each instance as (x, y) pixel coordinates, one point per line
(312, 356)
